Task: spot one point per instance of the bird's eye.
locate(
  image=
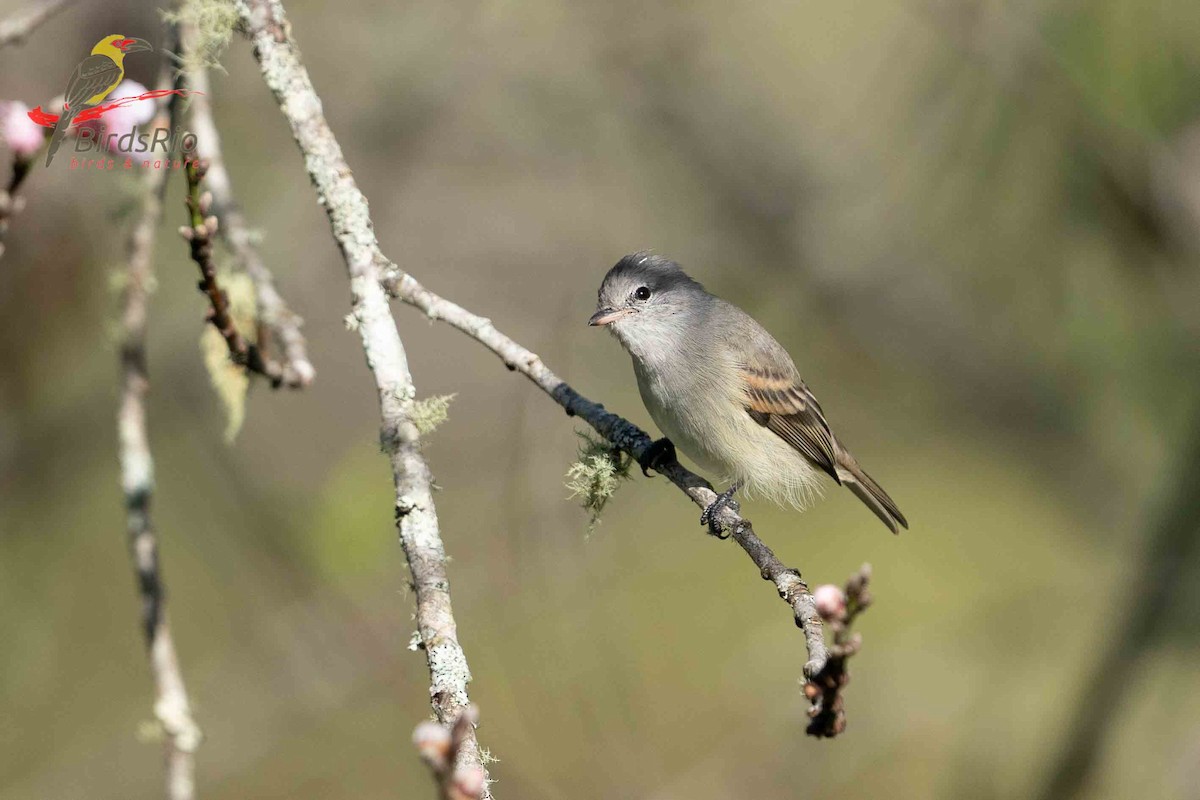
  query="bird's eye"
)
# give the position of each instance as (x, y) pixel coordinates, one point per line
(642, 293)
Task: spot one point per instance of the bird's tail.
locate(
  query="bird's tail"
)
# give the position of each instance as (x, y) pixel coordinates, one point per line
(60, 130)
(871, 493)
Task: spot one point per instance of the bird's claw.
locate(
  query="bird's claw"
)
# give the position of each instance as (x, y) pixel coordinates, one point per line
(724, 500)
(657, 454)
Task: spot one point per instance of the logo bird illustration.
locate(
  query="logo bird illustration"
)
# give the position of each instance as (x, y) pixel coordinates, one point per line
(93, 79)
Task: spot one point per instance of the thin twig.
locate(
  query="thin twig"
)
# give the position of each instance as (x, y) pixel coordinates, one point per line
(199, 235)
(17, 29)
(416, 517)
(281, 322)
(632, 440)
(171, 707)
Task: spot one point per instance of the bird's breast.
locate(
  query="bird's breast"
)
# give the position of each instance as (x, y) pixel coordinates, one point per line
(693, 410)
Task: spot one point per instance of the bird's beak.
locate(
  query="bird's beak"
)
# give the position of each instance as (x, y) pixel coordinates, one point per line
(607, 316)
(138, 46)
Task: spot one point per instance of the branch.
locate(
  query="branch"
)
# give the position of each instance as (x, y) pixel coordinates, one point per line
(171, 706)
(630, 439)
(199, 235)
(416, 517)
(280, 321)
(352, 227)
(16, 30)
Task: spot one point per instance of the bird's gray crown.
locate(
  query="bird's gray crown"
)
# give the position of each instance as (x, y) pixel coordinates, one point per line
(656, 272)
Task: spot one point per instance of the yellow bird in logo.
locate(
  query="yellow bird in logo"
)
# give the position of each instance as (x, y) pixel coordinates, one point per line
(93, 79)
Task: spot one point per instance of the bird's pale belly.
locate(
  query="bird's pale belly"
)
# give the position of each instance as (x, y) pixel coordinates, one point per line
(720, 437)
(723, 440)
(685, 429)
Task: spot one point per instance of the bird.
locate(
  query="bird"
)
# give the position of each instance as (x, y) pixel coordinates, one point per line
(92, 80)
(722, 389)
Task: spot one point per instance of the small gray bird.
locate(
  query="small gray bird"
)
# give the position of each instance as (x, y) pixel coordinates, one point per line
(722, 389)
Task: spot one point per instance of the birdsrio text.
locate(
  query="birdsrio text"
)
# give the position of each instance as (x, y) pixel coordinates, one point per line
(135, 140)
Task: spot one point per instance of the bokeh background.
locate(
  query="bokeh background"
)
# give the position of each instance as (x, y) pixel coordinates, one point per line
(974, 225)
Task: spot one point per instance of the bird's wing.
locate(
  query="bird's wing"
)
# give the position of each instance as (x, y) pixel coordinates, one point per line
(94, 75)
(778, 400)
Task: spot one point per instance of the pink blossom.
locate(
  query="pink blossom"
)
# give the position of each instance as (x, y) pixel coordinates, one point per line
(22, 135)
(830, 601)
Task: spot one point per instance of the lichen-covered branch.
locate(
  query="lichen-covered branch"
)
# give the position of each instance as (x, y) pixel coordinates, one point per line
(264, 23)
(16, 29)
(278, 320)
(630, 439)
(171, 706)
(199, 235)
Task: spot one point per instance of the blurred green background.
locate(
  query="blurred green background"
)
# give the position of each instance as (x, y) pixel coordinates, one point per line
(975, 227)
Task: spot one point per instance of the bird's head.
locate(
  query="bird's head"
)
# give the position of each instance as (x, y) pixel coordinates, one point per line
(117, 43)
(640, 296)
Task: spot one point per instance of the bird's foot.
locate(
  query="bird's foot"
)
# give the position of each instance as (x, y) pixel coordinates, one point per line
(657, 454)
(724, 500)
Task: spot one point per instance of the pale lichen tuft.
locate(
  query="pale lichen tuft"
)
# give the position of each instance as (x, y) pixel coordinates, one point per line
(596, 475)
(427, 414)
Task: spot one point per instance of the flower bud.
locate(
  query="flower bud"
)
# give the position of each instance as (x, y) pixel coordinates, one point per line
(830, 602)
(859, 580)
(433, 743)
(469, 782)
